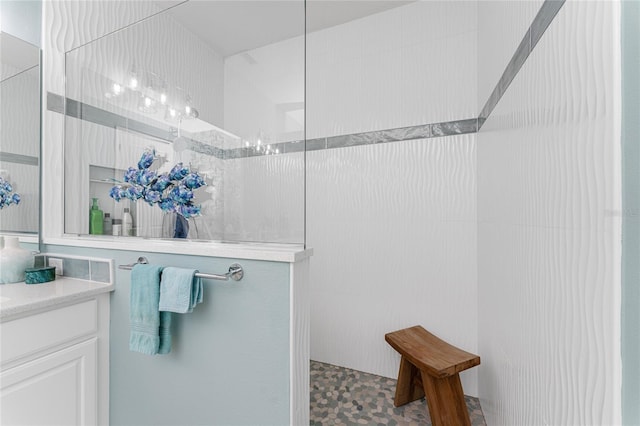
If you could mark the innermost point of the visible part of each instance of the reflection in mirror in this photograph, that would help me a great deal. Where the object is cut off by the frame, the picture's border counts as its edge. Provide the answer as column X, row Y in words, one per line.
column 19, row 135
column 186, row 85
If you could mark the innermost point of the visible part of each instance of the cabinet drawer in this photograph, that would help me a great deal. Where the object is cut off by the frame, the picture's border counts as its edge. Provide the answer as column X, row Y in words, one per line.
column 28, row 335
column 57, row 389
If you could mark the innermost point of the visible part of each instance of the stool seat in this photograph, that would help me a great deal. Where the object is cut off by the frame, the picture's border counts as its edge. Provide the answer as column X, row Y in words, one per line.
column 429, row 367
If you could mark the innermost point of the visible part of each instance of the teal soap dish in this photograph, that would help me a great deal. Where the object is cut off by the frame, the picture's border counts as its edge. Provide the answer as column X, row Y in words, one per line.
column 40, row 275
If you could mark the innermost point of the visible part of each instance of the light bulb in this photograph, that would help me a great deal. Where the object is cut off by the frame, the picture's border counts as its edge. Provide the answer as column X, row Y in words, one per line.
column 172, row 112
column 117, row 88
column 277, row 151
column 133, row 83
column 268, row 147
column 187, row 109
column 259, row 142
column 246, row 143
column 163, row 98
column 147, row 101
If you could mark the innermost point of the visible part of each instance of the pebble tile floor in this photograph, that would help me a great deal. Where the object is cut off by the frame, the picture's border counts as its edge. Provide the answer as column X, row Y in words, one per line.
column 341, row 396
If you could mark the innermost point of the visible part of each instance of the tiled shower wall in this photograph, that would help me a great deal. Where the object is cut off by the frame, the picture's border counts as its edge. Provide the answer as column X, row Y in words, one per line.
column 392, row 225
column 549, row 221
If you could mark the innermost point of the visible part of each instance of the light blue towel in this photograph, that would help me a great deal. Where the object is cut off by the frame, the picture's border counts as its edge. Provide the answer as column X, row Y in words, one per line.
column 180, row 290
column 149, row 332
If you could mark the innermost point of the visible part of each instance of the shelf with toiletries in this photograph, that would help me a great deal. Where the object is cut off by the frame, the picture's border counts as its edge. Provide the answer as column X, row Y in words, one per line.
column 117, row 219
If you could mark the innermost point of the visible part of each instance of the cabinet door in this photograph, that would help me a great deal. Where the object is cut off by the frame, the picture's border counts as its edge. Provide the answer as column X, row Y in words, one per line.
column 57, row 389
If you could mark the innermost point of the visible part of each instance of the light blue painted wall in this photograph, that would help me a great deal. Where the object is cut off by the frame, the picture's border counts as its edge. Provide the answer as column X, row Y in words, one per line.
column 230, row 359
column 30, row 246
column 22, row 19
column 631, row 212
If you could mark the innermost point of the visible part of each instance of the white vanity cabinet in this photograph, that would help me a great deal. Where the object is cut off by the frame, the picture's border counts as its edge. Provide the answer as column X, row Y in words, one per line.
column 55, row 365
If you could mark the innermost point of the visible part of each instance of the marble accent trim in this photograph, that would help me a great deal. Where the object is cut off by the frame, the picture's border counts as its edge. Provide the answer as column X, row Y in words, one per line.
column 541, row 22
column 543, row 19
column 423, row 131
column 8, row 157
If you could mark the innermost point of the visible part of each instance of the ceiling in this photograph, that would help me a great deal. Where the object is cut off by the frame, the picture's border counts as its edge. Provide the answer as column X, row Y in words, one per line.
column 233, row 26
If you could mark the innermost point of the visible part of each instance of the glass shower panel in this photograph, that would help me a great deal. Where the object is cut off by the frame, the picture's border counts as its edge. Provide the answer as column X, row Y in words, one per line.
column 215, row 86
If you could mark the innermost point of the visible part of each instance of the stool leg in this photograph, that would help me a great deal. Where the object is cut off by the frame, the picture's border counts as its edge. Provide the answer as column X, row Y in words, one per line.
column 445, row 400
column 409, row 384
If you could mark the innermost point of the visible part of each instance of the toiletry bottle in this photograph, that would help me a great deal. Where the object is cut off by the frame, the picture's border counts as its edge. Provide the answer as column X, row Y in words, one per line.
column 116, row 227
column 106, row 224
column 127, row 223
column 95, row 218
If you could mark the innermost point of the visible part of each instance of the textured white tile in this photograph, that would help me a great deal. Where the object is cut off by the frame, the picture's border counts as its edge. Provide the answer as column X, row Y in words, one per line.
column 299, row 342
column 426, row 21
column 394, row 237
column 264, row 199
column 501, row 27
column 387, row 70
column 438, row 80
column 20, row 114
column 69, row 24
column 52, row 174
column 548, row 235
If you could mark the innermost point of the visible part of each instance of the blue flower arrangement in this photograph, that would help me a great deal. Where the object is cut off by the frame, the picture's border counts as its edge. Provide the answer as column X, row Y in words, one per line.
column 172, row 191
column 7, row 196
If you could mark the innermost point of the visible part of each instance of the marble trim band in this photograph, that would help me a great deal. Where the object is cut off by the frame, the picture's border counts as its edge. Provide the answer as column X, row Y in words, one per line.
column 423, row 131
column 541, row 22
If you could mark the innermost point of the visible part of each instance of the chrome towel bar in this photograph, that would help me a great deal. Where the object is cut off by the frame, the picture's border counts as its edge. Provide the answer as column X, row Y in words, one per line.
column 235, row 271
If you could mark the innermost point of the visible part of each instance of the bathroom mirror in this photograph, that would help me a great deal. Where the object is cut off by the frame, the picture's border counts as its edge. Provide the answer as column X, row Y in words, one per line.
column 19, row 133
column 217, row 86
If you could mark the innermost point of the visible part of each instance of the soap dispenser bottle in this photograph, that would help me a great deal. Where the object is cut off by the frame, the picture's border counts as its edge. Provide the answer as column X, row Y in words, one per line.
column 95, row 218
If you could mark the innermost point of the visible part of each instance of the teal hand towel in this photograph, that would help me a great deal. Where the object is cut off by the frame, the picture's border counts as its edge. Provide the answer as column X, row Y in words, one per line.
column 149, row 333
column 180, row 290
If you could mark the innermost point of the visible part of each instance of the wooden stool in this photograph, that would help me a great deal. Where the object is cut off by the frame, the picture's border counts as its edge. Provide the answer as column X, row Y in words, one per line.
column 430, row 366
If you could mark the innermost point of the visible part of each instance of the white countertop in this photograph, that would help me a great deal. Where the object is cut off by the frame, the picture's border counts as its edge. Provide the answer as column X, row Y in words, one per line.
column 19, row 299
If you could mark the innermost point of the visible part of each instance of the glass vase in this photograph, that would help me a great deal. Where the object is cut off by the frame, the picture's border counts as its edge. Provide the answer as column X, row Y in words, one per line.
column 13, row 261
